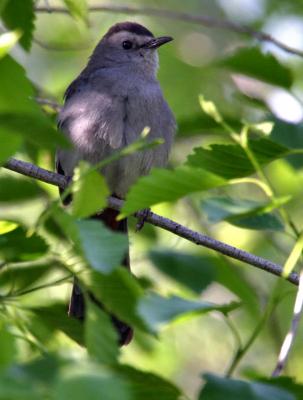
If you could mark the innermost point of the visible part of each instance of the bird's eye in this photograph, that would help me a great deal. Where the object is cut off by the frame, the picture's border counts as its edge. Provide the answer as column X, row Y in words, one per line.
column 127, row 44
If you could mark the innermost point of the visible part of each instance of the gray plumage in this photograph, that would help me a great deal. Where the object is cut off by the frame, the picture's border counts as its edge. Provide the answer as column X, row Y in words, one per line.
column 110, row 103
column 106, row 108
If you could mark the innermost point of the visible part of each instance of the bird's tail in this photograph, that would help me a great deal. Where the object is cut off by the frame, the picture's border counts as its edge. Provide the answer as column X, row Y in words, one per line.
column 77, row 303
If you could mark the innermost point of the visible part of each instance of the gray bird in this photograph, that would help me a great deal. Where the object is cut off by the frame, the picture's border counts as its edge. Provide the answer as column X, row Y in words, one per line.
column 106, row 108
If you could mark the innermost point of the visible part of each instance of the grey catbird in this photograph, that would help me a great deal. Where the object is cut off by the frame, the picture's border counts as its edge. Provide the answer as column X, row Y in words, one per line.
column 106, row 108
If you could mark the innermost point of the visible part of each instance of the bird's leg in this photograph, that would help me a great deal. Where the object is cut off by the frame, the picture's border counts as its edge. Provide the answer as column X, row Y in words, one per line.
column 142, row 217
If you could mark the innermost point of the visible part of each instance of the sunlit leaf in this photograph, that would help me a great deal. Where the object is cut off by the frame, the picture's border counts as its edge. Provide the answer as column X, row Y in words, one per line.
column 264, row 66
column 20, row 15
column 167, row 185
column 230, row 160
column 194, row 272
column 77, row 8
column 157, row 310
column 8, row 41
column 294, row 256
column 210, row 109
column 100, row 336
column 89, row 191
column 103, row 248
column 7, row 226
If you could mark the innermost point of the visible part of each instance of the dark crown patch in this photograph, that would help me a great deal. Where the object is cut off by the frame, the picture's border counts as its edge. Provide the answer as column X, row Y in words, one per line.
column 132, row 27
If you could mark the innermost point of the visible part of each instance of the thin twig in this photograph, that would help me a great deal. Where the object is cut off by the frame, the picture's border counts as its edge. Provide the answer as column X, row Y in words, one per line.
column 205, row 20
column 61, row 181
column 290, row 337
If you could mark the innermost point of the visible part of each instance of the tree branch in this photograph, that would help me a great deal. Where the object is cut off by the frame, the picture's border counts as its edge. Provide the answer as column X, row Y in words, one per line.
column 61, row 181
column 291, row 334
column 204, row 20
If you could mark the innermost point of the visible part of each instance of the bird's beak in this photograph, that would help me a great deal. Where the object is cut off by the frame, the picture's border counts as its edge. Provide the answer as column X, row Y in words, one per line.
column 157, row 42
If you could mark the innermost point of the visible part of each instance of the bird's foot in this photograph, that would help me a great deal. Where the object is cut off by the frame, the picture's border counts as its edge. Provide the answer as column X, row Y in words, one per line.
column 143, row 214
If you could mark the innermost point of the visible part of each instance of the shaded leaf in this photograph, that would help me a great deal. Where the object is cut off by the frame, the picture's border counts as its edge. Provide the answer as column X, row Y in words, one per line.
column 286, row 383
column 157, row 310
column 265, row 67
column 90, row 382
column 100, row 336
column 194, row 272
column 89, row 191
column 148, row 386
column 22, row 276
column 20, row 15
column 217, row 388
column 15, row 188
column 16, row 246
column 8, row 348
column 119, row 292
column 103, row 248
column 244, row 213
column 167, row 185
column 9, row 145
column 55, row 317
column 230, row 160
column 36, row 127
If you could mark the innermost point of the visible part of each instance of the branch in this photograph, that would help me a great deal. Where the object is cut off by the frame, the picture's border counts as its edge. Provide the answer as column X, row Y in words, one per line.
column 203, row 20
column 61, row 181
column 291, row 334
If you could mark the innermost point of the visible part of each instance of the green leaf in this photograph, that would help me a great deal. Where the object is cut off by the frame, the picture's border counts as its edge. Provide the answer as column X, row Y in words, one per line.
column 243, row 213
column 286, row 383
column 293, row 257
column 15, row 188
column 103, row 248
column 119, row 292
column 217, row 388
column 210, row 109
column 157, row 310
column 24, row 275
column 230, row 160
column 20, row 15
column 54, row 317
column 100, row 336
column 194, row 272
column 167, row 185
column 77, row 8
column 35, row 127
column 8, row 41
column 16, row 387
column 148, row 386
column 7, row 226
column 9, row 145
column 8, row 347
column 91, row 382
column 16, row 246
column 233, row 278
column 89, row 191
column 254, row 63
column 20, row 117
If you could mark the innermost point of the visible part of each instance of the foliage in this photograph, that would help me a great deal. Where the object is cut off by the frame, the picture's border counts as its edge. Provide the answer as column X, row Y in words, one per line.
column 236, row 172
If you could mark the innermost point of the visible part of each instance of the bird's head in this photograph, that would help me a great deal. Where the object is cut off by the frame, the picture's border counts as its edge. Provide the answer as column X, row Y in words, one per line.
column 129, row 44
